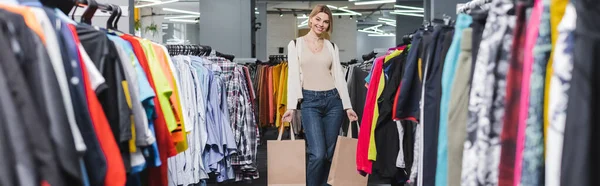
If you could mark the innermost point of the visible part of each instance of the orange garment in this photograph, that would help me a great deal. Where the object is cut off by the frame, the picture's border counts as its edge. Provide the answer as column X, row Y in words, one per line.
column 270, row 93
column 115, row 169
column 30, row 19
column 179, row 136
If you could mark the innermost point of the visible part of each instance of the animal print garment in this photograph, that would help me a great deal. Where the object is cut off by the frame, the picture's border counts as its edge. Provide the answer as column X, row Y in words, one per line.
column 486, row 105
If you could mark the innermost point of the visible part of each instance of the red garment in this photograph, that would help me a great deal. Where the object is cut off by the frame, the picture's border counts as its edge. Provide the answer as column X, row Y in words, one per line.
column 363, row 164
column 166, row 148
column 506, row 173
column 115, row 169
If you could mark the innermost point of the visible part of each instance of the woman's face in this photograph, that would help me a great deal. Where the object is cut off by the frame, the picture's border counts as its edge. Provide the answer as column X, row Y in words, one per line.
column 320, row 23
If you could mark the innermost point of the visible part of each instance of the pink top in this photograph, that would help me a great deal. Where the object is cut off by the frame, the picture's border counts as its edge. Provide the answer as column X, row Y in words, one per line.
column 363, row 164
column 530, row 41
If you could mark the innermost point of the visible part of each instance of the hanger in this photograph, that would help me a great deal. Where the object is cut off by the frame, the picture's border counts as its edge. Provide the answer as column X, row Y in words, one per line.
column 119, row 13
column 89, row 12
column 113, row 14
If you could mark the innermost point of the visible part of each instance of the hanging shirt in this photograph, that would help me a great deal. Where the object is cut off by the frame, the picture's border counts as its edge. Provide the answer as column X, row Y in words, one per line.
column 178, row 134
column 115, row 174
column 163, row 136
column 363, row 163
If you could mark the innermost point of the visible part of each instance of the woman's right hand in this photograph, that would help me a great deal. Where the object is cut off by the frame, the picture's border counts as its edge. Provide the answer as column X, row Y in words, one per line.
column 287, row 116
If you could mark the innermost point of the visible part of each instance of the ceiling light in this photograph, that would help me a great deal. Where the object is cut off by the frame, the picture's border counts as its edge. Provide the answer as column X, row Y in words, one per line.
column 374, row 2
column 182, row 17
column 407, row 14
column 343, row 14
column 409, row 7
column 387, row 20
column 369, row 32
column 304, row 23
column 180, row 11
column 349, row 11
column 280, row 14
column 373, row 27
column 183, row 20
column 302, row 17
column 256, row 12
column 333, row 7
column 350, row 17
column 255, row 8
column 156, row 3
column 345, row 9
column 408, row 11
column 382, row 35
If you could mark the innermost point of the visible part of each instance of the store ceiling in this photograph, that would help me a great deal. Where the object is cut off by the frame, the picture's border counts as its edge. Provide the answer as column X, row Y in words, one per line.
column 370, row 13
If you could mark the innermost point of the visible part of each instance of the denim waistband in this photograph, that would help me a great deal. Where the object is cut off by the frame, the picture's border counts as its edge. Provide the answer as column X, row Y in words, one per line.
column 325, row 93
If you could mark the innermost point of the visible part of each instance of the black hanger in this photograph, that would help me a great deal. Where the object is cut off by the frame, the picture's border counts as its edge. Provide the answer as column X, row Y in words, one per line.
column 113, row 14
column 119, row 13
column 89, row 12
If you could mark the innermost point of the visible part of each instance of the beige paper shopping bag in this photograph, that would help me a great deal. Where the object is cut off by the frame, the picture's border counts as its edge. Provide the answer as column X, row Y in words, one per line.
column 343, row 166
column 286, row 161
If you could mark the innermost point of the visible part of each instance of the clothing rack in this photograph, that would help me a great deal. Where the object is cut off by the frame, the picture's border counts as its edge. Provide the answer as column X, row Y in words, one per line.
column 198, row 50
column 473, row 4
column 277, row 58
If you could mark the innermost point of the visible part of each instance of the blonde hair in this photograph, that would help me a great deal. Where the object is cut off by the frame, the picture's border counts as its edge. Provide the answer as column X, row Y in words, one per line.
column 318, row 9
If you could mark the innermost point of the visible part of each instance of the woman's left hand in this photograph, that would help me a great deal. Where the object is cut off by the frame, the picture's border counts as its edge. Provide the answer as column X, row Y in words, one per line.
column 352, row 115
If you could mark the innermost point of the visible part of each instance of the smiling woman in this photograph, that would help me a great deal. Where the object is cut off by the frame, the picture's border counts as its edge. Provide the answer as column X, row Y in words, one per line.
column 315, row 77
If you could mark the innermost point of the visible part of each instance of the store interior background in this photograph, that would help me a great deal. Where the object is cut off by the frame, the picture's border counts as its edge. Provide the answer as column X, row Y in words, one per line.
column 260, row 28
column 257, row 29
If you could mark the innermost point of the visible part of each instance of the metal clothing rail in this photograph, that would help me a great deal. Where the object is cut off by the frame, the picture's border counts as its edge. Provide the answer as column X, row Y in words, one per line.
column 473, row 4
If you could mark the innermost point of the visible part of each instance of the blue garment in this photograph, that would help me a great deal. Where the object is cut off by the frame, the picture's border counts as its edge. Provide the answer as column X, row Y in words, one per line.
column 84, row 175
column 450, row 64
column 220, row 144
column 322, row 114
column 407, row 103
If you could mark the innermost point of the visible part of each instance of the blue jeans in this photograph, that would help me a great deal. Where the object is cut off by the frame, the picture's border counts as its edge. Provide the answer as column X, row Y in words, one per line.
column 322, row 114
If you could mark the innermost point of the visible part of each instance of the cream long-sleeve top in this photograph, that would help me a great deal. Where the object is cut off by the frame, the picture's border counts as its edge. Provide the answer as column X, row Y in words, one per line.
column 295, row 75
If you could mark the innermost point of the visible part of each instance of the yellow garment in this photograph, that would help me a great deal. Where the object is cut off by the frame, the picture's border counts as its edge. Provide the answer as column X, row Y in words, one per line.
column 557, row 11
column 392, row 55
column 420, row 69
column 275, row 79
column 372, row 147
column 179, row 135
column 282, row 96
column 162, row 87
column 132, row 146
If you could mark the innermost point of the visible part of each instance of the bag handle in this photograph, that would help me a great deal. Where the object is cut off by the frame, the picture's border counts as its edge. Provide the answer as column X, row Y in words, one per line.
column 349, row 134
column 281, row 127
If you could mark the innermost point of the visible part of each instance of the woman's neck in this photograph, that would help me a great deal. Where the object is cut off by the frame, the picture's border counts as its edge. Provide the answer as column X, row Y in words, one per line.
column 312, row 36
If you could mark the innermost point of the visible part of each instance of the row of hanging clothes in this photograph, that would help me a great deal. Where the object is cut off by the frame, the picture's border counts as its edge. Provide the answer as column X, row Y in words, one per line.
column 220, row 97
column 271, row 81
column 84, row 105
column 496, row 98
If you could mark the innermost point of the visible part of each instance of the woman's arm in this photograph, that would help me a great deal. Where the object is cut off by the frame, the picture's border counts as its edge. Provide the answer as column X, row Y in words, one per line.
column 340, row 81
column 293, row 87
